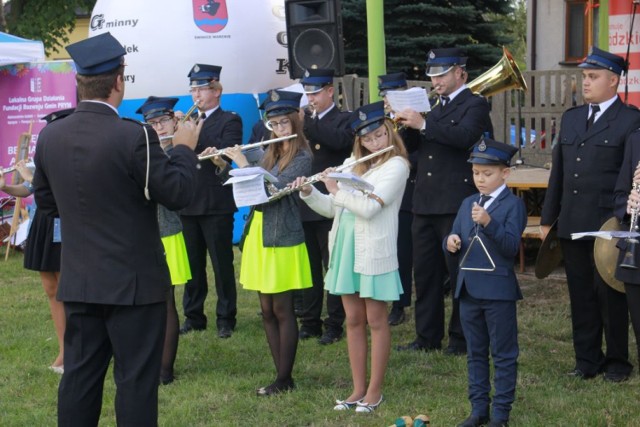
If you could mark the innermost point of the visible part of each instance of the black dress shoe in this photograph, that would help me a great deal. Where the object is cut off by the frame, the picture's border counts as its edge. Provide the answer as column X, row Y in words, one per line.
column 616, row 377
column 225, row 332
column 276, row 388
column 329, row 337
column 577, row 373
column 305, row 334
column 188, row 327
column 474, row 421
column 396, row 316
column 496, row 423
column 166, row 380
column 415, row 346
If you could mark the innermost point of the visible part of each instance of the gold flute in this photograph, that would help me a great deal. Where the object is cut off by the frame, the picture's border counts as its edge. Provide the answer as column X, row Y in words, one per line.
column 247, row 146
column 315, row 178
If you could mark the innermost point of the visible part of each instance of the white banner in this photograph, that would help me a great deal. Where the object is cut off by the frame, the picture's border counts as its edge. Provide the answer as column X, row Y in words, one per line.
column 165, row 38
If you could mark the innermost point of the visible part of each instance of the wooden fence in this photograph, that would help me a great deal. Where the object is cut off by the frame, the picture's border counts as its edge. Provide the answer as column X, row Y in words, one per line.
column 537, row 112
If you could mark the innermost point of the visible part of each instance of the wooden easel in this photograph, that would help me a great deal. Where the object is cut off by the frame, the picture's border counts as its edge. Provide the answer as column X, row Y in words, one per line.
column 19, row 214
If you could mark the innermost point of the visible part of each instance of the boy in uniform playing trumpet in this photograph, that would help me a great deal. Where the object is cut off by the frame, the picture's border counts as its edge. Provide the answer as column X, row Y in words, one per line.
column 487, row 286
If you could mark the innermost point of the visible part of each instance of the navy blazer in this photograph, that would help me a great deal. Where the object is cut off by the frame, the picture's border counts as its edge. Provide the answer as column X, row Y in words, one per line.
column 585, row 168
column 90, row 167
column 501, row 237
column 331, row 141
column 221, row 129
column 444, row 177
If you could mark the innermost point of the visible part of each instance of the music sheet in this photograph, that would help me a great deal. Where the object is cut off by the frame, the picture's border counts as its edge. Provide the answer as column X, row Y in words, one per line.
column 414, row 98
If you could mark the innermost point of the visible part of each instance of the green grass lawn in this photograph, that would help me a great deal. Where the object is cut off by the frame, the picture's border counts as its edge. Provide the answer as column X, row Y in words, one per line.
column 216, row 379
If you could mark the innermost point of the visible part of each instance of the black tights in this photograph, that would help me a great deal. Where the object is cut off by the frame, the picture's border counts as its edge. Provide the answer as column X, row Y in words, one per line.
column 170, row 338
column 280, row 325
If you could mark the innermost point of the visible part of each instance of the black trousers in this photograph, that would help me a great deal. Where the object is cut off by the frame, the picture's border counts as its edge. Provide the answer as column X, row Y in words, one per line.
column 430, row 268
column 633, row 301
column 405, row 258
column 595, row 308
column 316, row 234
column 133, row 336
column 213, row 233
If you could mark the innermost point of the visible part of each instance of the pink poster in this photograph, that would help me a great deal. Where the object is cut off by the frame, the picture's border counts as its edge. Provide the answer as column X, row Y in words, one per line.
column 28, row 92
column 620, row 34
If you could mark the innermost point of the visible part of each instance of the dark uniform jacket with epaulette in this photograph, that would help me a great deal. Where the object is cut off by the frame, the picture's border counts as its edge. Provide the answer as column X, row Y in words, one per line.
column 90, row 168
column 444, row 176
column 585, row 166
column 221, row 129
column 331, row 141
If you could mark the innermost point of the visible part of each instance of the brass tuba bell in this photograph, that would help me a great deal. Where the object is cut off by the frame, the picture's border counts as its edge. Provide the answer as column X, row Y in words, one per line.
column 502, row 76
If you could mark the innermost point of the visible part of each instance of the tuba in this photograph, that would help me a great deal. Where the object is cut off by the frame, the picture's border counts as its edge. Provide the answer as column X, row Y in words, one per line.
column 503, row 76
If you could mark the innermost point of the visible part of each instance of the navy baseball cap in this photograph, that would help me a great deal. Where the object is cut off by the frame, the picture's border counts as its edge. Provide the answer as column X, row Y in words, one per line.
column 156, row 107
column 601, row 59
column 490, row 152
column 440, row 61
column 314, row 80
column 281, row 102
column 368, row 118
column 393, row 81
column 203, row 74
column 97, row 55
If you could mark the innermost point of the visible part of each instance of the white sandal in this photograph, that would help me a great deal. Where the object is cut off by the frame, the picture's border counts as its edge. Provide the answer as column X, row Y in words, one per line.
column 367, row 408
column 343, row 405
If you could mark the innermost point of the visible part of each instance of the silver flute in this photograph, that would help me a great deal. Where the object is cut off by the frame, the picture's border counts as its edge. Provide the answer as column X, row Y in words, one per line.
column 247, row 146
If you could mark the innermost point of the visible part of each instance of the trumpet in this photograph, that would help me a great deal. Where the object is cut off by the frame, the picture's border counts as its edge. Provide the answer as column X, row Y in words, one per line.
column 629, row 259
column 311, row 109
column 315, row 178
column 189, row 112
column 248, row 146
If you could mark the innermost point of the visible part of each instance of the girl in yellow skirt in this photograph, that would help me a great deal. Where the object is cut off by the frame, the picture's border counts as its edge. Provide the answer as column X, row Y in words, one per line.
column 158, row 112
column 363, row 261
column 274, row 255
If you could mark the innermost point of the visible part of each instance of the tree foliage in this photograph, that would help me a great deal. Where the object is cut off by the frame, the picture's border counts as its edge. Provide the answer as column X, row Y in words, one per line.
column 46, row 20
column 413, row 27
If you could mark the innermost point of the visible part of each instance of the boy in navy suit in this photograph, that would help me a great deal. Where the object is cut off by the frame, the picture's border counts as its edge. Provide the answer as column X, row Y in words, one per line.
column 487, row 286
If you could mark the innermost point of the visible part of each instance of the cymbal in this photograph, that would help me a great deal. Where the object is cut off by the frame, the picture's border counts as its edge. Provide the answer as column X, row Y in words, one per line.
column 605, row 255
column 549, row 254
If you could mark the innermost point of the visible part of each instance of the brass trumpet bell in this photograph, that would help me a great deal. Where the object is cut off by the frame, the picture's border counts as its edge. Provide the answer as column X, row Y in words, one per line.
column 503, row 76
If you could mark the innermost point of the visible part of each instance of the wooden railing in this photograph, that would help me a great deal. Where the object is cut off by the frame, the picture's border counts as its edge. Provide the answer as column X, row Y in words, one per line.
column 537, row 113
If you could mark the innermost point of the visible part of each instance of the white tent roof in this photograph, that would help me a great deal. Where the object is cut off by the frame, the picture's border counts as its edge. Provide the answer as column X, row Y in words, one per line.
column 16, row 50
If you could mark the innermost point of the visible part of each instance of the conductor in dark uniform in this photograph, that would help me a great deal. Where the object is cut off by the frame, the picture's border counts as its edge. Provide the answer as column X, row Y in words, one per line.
column 104, row 176
column 208, row 221
column 331, row 139
column 386, row 83
column 443, row 180
column 586, row 162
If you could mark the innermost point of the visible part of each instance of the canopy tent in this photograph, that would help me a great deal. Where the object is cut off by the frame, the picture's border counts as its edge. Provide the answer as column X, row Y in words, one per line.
column 16, row 50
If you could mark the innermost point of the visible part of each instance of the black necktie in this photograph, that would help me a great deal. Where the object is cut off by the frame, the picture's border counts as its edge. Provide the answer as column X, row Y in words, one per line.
column 444, row 100
column 592, row 118
column 203, row 116
column 484, row 199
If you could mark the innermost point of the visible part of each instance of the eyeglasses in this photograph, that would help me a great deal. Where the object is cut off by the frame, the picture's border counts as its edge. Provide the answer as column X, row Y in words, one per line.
column 162, row 122
column 281, row 123
column 200, row 89
column 374, row 137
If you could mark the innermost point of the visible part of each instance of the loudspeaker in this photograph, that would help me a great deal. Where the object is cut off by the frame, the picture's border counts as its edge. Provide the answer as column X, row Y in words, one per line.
column 314, row 36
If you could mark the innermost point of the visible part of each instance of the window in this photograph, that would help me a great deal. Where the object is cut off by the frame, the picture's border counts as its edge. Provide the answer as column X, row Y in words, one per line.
column 579, row 34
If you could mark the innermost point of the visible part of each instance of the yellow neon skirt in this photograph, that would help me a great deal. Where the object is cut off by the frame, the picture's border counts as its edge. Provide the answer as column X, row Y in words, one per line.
column 272, row 270
column 177, row 259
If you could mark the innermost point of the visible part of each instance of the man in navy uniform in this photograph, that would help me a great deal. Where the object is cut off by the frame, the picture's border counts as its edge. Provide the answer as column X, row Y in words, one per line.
column 104, row 177
column 331, row 139
column 443, row 181
column 386, row 83
column 586, row 162
column 208, row 221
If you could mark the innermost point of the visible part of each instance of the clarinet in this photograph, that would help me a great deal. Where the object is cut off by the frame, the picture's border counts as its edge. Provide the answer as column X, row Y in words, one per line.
column 629, row 259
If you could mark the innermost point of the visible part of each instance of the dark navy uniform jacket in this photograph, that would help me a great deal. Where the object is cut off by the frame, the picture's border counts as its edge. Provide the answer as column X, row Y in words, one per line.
column 585, row 167
column 444, row 176
column 90, row 168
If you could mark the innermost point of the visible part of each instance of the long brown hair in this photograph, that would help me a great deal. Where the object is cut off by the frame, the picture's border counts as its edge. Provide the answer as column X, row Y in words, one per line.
column 276, row 154
column 359, row 150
